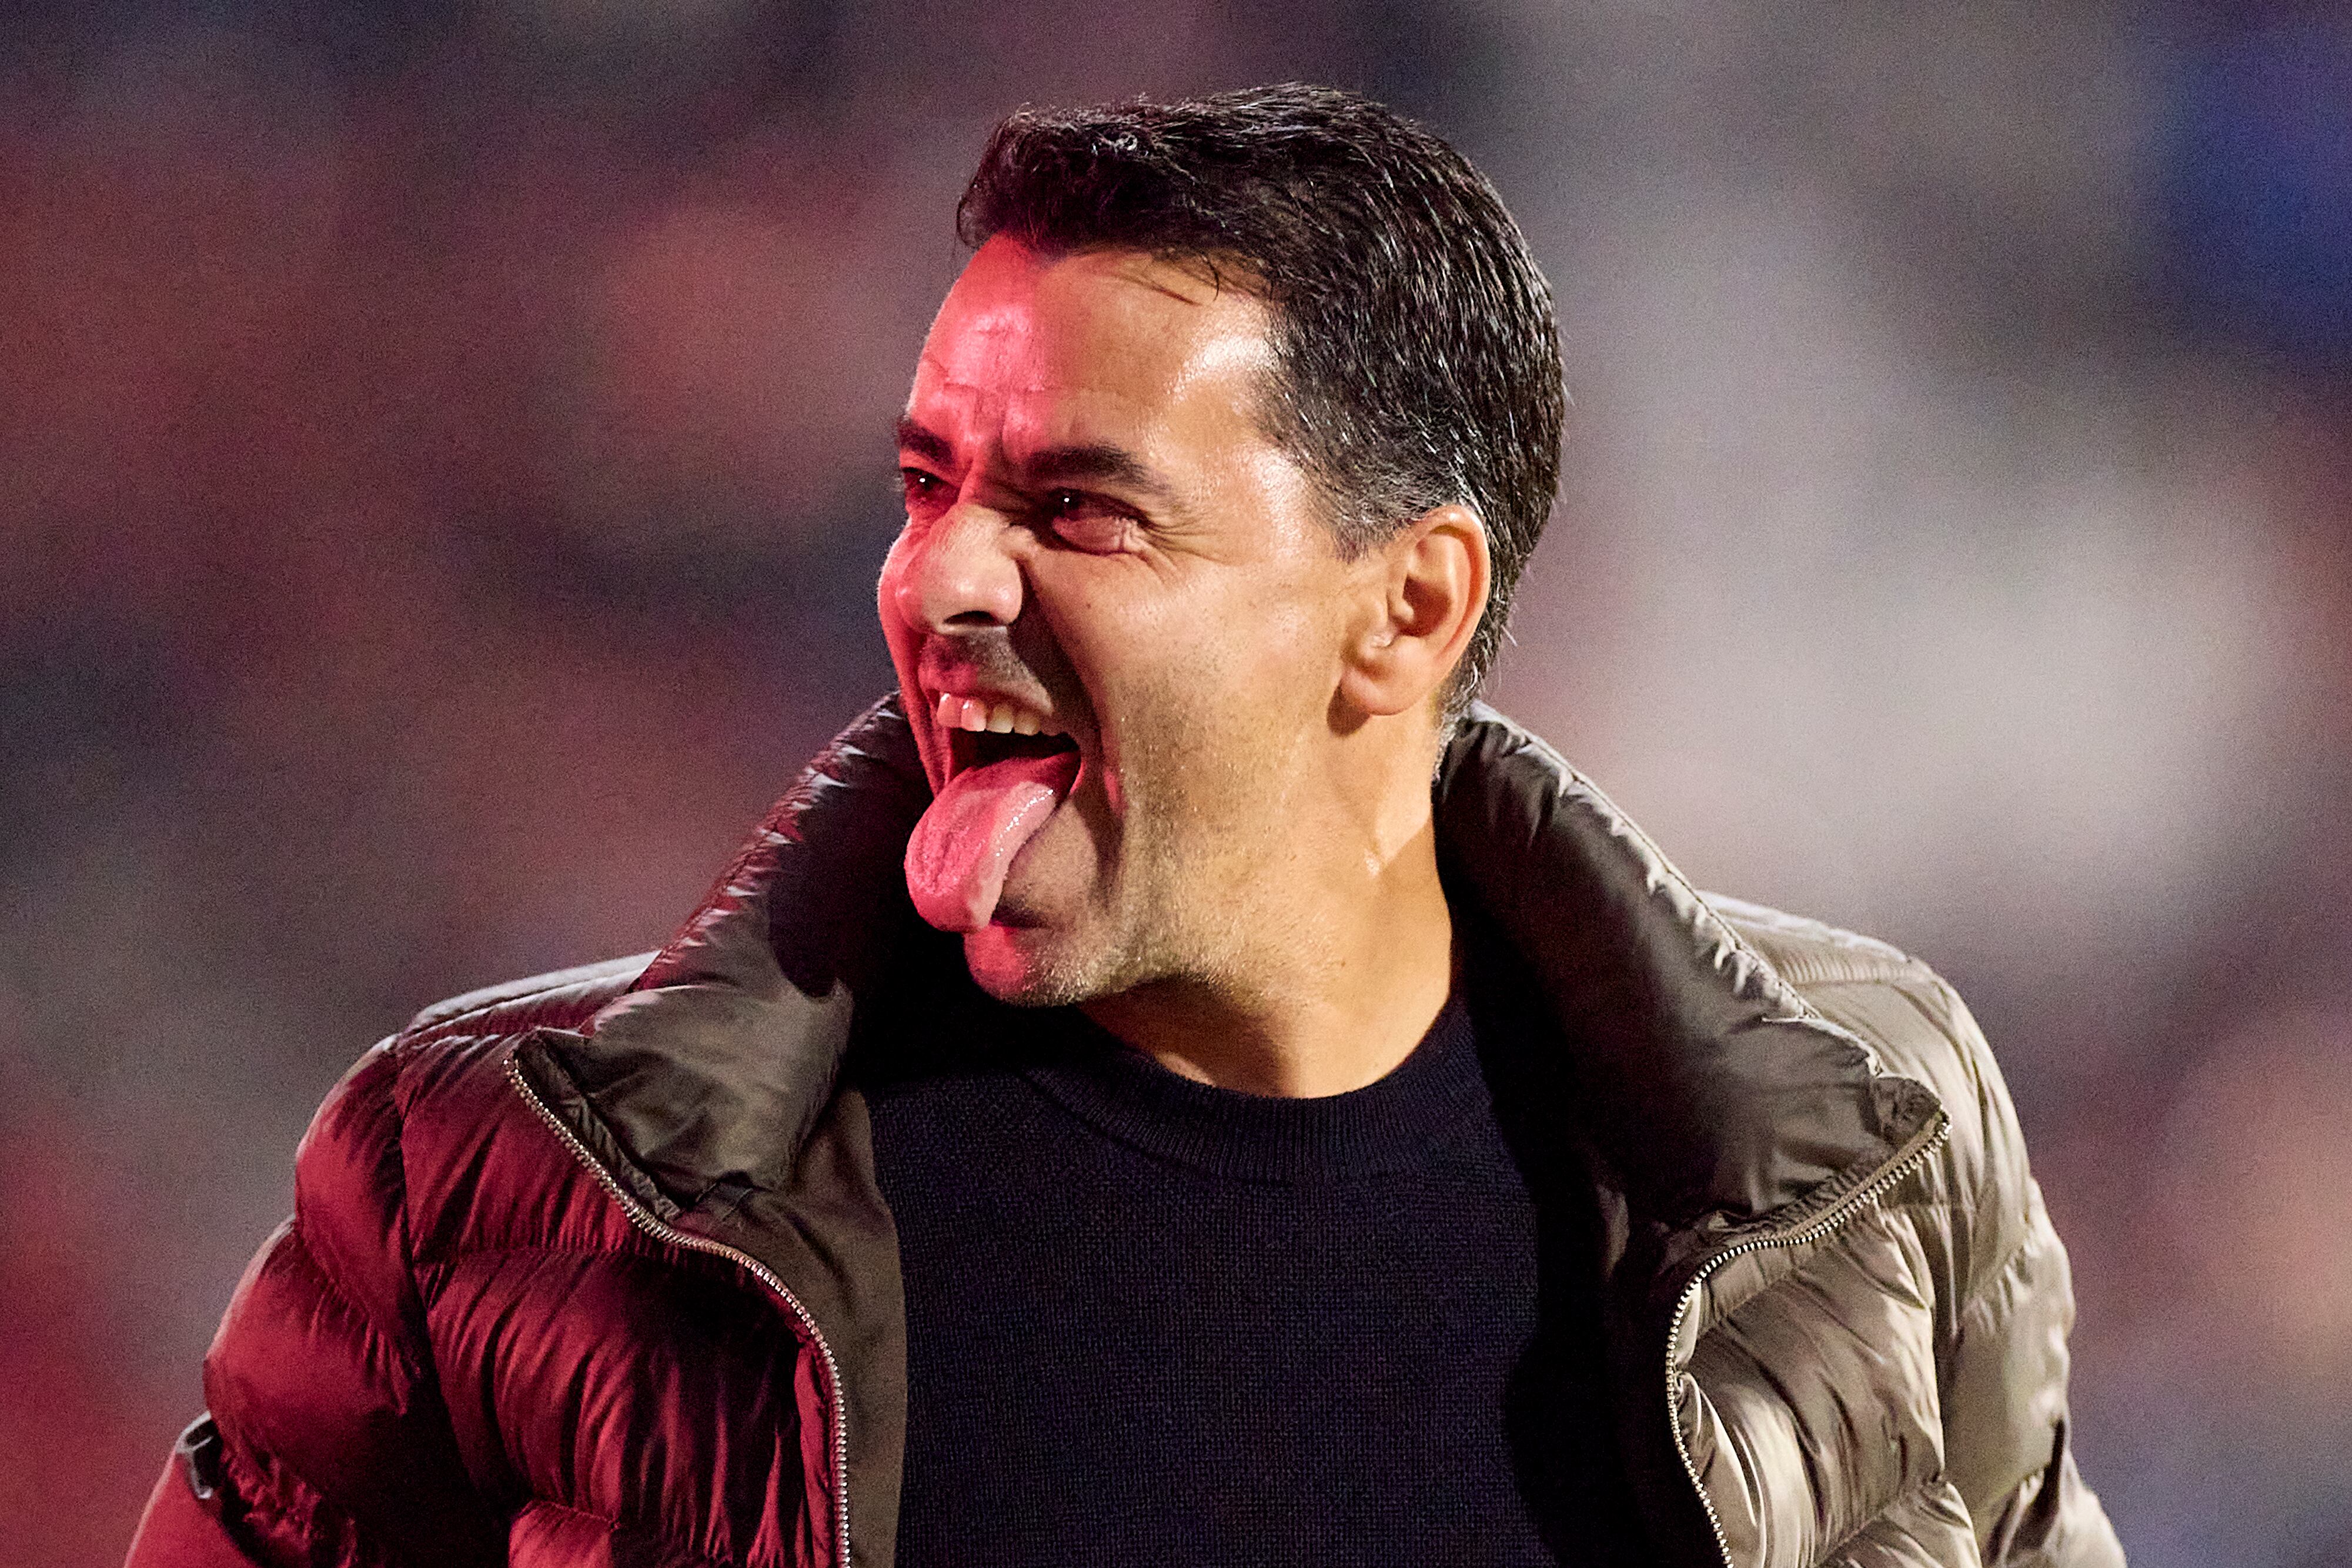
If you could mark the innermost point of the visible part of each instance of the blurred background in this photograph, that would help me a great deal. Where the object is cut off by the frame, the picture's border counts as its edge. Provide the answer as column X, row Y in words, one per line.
column 443, row 463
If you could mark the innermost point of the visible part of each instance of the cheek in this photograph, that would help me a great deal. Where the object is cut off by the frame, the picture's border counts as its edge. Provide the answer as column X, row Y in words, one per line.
column 1206, row 724
column 905, row 647
column 885, row 592
column 904, row 640
column 1267, row 678
column 1192, row 683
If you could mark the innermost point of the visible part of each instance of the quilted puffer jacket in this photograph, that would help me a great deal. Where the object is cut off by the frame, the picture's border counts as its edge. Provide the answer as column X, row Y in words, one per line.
column 593, row 1269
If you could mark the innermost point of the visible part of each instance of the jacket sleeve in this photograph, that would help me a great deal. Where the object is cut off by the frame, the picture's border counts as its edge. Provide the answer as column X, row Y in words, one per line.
column 327, row 1442
column 2006, row 1432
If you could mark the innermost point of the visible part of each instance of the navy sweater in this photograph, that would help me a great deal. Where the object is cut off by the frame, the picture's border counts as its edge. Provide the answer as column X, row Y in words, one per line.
column 1152, row 1321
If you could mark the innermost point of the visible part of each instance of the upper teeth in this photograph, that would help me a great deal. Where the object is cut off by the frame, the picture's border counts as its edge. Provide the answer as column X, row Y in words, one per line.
column 1003, row 718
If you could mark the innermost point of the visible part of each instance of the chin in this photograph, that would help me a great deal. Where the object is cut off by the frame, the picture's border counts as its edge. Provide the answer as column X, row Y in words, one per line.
column 1030, row 966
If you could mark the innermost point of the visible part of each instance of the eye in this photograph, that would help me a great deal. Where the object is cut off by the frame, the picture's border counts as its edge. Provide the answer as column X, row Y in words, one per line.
column 923, row 491
column 1090, row 522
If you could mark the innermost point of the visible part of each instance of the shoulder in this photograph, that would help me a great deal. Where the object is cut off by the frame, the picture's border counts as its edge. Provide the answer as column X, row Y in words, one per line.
column 436, row 1088
column 1974, row 1219
column 561, row 998
column 442, row 1055
column 327, row 1320
column 1903, row 1010
column 1809, row 953
column 1915, row 1024
column 446, row 1054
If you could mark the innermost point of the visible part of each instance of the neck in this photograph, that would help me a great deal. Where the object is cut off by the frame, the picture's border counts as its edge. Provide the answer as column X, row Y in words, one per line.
column 1346, row 978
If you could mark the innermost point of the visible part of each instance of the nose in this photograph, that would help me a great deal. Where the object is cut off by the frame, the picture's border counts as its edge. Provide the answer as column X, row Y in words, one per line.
column 956, row 572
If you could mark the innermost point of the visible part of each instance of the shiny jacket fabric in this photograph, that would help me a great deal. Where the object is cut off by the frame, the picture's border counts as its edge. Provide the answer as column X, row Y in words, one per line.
column 593, row 1269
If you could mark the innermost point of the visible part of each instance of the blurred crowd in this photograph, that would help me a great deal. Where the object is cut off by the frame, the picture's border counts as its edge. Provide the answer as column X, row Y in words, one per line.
column 445, row 459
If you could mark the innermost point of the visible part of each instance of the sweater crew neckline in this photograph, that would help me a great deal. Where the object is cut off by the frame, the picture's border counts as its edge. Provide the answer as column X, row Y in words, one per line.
column 1389, row 1126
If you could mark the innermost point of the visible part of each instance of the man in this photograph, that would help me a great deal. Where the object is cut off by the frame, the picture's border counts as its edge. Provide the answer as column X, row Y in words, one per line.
column 1115, row 1109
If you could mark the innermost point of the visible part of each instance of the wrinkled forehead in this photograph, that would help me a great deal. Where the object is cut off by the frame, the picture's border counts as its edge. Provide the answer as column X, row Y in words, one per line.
column 1027, row 343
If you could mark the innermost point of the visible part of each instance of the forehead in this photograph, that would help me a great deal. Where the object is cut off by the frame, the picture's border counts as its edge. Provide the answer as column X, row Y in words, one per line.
column 1028, row 343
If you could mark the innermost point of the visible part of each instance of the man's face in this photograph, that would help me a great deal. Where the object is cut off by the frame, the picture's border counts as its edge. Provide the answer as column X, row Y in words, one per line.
column 1101, row 541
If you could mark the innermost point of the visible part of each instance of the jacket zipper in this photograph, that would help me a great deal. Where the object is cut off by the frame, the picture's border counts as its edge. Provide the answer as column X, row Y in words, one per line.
column 1843, row 1210
column 653, row 1227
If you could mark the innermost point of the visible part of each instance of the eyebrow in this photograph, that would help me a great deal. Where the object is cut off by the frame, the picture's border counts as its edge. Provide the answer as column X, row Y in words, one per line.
column 1098, row 461
column 1105, row 464
column 922, row 441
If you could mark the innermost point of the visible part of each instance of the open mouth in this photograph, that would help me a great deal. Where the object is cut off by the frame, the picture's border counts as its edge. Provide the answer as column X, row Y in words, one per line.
column 977, row 748
column 1004, row 781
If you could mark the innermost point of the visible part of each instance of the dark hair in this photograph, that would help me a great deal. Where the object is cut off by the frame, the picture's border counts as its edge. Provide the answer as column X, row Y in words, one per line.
column 1416, row 359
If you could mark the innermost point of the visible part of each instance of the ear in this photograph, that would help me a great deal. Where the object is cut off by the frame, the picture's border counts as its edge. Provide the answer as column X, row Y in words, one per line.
column 1426, row 588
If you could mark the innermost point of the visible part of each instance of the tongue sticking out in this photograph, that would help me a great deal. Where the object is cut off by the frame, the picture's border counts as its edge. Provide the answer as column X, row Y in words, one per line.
column 965, row 843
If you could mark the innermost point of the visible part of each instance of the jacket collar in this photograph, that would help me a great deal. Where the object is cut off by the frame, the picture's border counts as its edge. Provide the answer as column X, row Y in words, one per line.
column 1707, row 1087
column 712, row 1070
